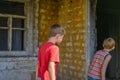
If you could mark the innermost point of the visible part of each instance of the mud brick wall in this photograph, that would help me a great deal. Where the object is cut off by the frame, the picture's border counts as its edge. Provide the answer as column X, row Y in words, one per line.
column 48, row 14
column 71, row 14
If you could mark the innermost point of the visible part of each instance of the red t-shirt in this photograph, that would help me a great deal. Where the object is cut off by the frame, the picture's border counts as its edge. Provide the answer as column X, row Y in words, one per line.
column 47, row 52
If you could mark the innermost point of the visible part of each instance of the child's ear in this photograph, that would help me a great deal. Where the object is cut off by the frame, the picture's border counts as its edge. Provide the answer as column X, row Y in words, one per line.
column 57, row 35
column 103, row 45
column 113, row 48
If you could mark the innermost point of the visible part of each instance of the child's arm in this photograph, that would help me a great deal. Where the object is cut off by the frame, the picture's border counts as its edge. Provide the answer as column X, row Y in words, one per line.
column 105, row 64
column 36, row 72
column 51, row 70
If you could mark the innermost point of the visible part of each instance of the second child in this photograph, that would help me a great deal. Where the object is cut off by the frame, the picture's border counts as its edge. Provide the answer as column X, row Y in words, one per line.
column 97, row 68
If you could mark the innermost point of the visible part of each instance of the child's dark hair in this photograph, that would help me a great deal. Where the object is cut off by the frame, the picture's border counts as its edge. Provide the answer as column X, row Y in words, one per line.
column 56, row 29
column 109, row 43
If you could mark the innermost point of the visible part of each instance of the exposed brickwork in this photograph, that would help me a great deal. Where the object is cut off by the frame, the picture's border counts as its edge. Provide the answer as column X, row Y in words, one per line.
column 72, row 15
column 48, row 14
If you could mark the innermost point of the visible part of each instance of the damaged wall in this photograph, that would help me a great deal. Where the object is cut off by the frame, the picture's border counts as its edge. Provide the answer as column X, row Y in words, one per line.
column 14, row 65
column 71, row 14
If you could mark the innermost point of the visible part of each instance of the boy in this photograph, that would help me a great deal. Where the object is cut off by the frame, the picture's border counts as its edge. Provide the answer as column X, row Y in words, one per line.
column 48, row 54
column 97, row 68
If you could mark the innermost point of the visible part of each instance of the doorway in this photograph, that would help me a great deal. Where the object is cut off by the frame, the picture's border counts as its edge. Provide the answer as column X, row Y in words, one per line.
column 108, row 25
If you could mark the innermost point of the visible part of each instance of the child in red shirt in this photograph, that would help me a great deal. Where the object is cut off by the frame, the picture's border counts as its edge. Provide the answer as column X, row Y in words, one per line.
column 48, row 54
column 97, row 68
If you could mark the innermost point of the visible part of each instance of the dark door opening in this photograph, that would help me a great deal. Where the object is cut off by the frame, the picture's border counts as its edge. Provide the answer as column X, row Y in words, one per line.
column 108, row 25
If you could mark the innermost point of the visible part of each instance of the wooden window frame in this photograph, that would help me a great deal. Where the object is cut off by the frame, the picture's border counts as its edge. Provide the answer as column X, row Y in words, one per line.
column 29, row 43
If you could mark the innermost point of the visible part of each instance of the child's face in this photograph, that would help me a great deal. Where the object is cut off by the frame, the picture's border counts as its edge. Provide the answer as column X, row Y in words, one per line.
column 59, row 39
